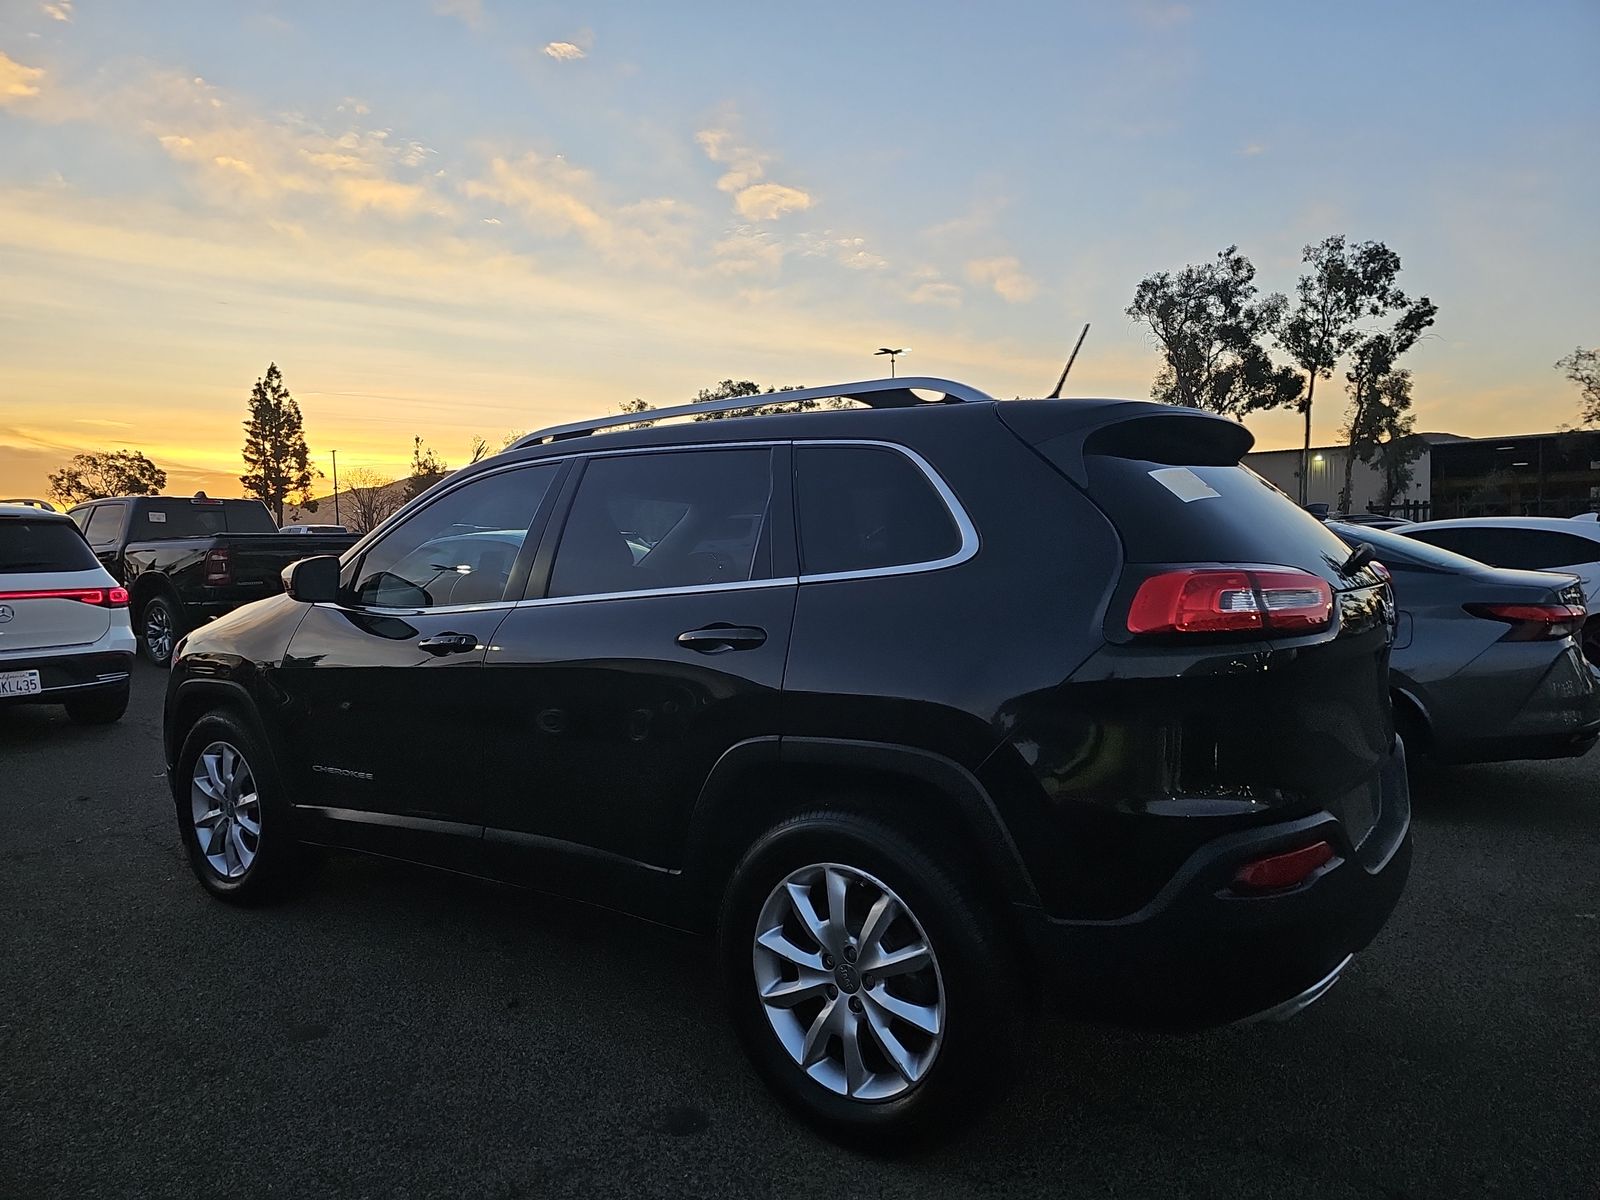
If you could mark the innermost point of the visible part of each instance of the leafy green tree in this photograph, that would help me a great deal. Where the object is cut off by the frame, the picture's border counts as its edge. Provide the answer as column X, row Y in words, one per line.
column 1583, row 368
column 1380, row 392
column 427, row 468
column 1346, row 285
column 1210, row 325
column 104, row 473
column 1398, row 449
column 277, row 462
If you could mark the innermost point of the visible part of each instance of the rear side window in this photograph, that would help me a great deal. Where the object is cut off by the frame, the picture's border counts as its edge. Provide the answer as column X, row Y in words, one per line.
column 105, row 524
column 41, row 546
column 1178, row 514
column 1521, row 549
column 868, row 508
column 667, row 520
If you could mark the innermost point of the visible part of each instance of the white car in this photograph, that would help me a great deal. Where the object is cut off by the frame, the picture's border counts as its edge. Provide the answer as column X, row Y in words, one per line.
column 1529, row 544
column 65, row 636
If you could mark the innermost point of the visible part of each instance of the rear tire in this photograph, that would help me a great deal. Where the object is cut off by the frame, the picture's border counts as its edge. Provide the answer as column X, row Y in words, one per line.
column 160, row 627
column 225, row 783
column 929, row 1043
column 99, row 710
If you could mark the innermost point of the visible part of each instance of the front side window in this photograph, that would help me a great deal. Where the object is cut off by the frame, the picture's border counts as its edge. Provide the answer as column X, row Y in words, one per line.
column 105, row 525
column 458, row 550
column 867, row 508
column 645, row 522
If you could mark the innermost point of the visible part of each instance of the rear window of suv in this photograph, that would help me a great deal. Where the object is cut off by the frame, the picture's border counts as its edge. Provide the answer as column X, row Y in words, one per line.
column 27, row 547
column 1179, row 514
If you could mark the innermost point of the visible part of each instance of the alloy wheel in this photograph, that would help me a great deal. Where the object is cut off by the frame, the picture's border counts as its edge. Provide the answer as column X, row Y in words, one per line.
column 158, row 631
column 849, row 982
column 226, row 808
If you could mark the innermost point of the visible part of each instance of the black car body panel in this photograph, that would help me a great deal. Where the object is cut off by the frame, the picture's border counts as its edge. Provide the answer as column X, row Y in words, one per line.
column 581, row 745
column 160, row 546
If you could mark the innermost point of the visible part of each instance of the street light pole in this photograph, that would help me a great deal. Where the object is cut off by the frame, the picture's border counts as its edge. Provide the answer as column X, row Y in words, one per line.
column 336, row 487
column 893, row 354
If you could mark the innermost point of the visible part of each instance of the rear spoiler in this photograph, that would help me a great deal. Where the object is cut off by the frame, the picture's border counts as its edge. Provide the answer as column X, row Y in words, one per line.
column 1067, row 432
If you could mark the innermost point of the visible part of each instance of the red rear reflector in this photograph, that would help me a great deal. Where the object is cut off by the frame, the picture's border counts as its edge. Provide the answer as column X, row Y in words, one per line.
column 101, row 597
column 1282, row 870
column 1231, row 600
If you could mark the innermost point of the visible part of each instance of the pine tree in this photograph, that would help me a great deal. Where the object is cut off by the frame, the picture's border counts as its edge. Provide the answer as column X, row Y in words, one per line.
column 277, row 462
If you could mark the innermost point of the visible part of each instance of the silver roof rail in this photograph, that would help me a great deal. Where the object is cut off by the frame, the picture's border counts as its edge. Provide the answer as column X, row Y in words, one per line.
column 874, row 393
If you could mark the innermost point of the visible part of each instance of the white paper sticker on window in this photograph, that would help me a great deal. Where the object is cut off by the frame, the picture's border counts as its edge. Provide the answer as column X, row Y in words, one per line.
column 158, row 518
column 1184, row 484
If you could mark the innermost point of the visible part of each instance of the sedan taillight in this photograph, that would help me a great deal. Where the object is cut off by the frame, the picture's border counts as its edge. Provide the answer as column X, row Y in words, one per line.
column 1534, row 622
column 1231, row 600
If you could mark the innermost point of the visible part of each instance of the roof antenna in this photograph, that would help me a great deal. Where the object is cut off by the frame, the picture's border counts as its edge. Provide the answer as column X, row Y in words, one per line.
column 1060, row 383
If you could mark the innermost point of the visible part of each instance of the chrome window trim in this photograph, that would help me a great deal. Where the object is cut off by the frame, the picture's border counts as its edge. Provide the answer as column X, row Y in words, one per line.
column 965, row 552
column 968, row 549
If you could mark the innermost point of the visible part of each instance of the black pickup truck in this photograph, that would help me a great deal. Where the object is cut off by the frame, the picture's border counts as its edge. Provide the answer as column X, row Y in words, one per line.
column 187, row 560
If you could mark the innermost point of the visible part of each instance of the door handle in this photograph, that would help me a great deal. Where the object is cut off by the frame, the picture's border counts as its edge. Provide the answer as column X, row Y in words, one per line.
column 449, row 643
column 715, row 639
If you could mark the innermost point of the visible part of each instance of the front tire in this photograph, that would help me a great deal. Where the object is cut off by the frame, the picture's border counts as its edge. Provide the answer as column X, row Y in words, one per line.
column 102, row 709
column 873, row 993
column 160, row 628
column 232, row 814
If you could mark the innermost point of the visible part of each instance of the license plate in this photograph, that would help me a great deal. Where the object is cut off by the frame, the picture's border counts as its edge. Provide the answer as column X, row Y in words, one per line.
column 19, row 683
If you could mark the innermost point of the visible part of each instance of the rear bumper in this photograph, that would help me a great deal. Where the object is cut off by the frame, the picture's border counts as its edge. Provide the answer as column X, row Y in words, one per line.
column 68, row 676
column 1476, row 716
column 1202, row 954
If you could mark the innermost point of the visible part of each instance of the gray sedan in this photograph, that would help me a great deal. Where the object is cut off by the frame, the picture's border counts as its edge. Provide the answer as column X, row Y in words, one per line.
column 1486, row 665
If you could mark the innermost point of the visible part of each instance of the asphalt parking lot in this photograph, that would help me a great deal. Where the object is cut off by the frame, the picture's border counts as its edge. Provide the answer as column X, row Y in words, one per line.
column 395, row 1033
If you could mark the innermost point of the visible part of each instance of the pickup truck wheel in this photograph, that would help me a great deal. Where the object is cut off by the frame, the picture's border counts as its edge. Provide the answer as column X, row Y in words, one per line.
column 160, row 627
column 872, row 991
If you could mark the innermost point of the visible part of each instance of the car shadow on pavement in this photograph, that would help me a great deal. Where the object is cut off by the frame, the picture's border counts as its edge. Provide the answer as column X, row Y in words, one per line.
column 1562, row 794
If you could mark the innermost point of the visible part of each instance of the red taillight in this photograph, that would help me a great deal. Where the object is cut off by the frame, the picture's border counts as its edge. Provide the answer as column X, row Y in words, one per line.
column 1282, row 870
column 101, row 597
column 1534, row 622
column 1231, row 600
column 219, row 567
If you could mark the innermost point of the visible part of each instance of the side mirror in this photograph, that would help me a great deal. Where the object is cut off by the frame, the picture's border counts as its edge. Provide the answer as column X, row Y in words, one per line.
column 313, row 580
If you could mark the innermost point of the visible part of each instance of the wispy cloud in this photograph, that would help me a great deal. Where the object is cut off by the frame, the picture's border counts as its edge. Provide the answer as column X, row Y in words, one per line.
column 746, row 168
column 1005, row 276
column 58, row 10
column 1252, row 149
column 17, row 82
column 564, row 51
column 556, row 198
column 468, row 12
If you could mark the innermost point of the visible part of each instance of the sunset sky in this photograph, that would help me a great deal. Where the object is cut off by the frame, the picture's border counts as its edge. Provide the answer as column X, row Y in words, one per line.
column 464, row 217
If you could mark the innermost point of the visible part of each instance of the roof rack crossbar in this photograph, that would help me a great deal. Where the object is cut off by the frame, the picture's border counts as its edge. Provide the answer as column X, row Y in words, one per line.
column 874, row 393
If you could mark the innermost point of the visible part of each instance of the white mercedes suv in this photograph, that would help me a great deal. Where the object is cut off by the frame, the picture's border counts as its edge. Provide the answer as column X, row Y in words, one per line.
column 65, row 636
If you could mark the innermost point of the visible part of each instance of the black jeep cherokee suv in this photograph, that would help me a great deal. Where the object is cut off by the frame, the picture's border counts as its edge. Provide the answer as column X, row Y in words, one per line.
column 924, row 707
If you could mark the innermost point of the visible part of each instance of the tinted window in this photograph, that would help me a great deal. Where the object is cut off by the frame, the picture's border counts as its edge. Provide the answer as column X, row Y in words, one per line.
column 1393, row 549
column 1523, row 549
column 105, row 525
column 177, row 518
column 865, row 508
column 1174, row 514
column 666, row 520
column 29, row 546
column 458, row 550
